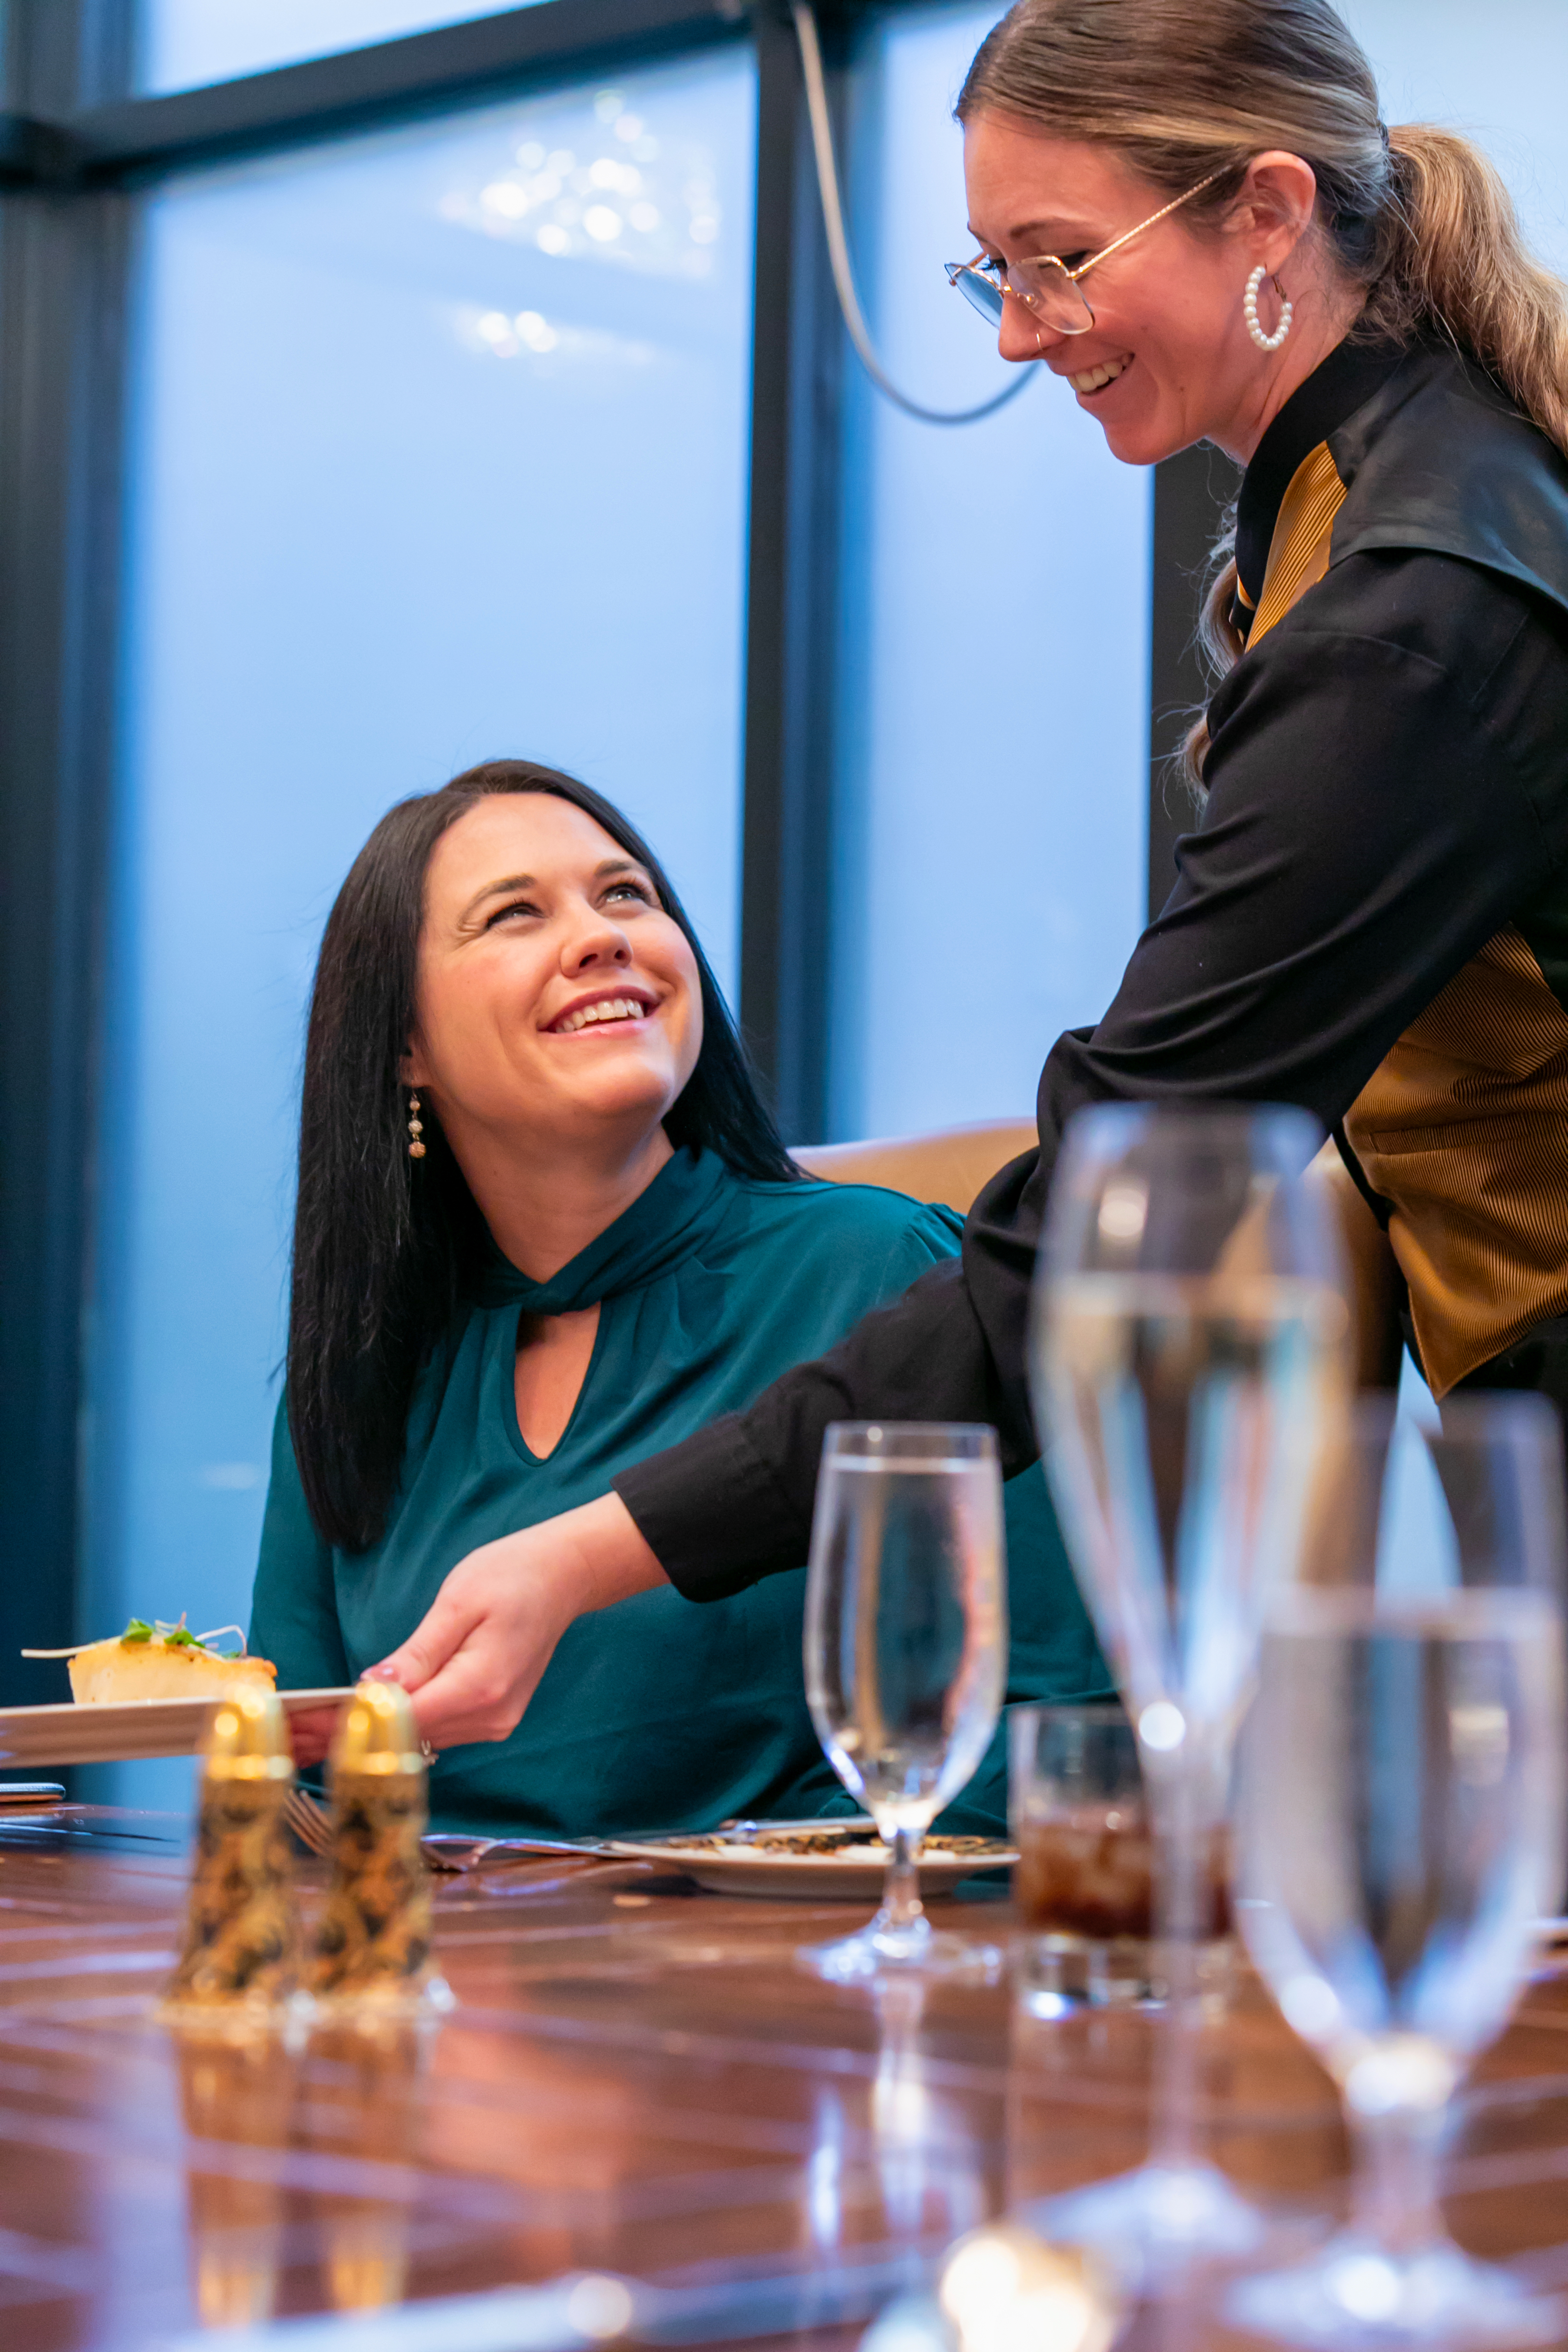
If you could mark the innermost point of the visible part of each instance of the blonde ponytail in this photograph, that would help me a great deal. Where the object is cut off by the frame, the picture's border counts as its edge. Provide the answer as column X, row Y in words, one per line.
column 1415, row 216
column 1460, row 263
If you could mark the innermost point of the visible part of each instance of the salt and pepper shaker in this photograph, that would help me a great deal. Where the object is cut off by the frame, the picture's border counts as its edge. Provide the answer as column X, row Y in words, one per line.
column 371, row 1954
column 240, row 1962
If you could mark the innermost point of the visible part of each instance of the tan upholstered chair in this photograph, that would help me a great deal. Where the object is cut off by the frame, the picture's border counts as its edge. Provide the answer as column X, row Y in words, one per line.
column 952, row 1166
column 949, row 1167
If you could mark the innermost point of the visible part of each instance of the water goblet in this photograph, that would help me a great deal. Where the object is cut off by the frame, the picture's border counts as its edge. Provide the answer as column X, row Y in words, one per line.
column 906, row 1647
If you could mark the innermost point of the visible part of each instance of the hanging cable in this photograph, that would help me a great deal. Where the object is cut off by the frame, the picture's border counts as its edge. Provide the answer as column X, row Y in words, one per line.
column 838, row 247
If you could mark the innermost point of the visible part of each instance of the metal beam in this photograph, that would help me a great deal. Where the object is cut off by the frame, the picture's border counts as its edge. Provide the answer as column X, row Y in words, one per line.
column 321, row 98
column 64, row 55
column 35, row 154
column 62, row 274
column 791, row 610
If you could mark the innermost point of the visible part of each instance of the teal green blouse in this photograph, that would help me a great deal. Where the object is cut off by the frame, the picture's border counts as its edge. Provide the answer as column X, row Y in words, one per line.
column 656, row 1714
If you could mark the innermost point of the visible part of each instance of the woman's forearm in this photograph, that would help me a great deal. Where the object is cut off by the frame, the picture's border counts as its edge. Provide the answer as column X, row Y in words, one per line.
column 733, row 1503
column 603, row 1555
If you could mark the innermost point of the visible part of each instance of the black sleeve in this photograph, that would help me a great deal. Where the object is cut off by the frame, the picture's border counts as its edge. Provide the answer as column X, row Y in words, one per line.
column 1387, row 787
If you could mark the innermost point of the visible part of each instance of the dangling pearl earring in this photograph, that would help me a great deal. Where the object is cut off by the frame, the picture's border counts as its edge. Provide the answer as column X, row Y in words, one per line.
column 416, row 1129
column 1249, row 311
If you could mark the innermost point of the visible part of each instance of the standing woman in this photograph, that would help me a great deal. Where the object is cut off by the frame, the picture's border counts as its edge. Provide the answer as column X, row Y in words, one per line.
column 1192, row 211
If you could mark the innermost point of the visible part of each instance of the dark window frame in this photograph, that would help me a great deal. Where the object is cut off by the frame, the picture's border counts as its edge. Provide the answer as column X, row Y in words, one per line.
column 75, row 147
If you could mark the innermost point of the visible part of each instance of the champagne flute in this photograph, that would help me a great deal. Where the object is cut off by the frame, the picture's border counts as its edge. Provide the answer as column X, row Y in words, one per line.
column 906, row 1647
column 1401, row 1823
column 1189, row 1345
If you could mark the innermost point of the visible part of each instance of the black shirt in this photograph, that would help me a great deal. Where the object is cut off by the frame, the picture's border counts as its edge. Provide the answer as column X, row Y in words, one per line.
column 1387, row 788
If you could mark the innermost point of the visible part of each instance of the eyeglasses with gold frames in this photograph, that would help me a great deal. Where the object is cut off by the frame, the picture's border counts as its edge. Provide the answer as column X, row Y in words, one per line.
column 1046, row 288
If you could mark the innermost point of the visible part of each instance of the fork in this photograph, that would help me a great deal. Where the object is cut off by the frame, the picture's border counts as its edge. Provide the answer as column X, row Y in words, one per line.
column 312, row 1825
column 310, row 1822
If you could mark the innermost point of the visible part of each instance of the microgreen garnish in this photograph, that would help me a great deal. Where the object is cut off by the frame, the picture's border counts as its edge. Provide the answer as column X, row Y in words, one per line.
column 171, row 1637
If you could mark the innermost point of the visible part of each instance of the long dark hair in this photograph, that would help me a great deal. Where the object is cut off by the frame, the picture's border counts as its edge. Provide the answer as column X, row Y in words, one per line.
column 385, row 1246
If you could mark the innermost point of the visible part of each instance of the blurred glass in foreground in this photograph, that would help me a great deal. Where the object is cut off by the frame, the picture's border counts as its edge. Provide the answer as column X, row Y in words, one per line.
column 1403, row 1832
column 1189, row 1359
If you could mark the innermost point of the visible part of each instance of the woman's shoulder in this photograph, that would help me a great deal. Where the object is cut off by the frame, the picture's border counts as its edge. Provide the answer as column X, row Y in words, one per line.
column 816, row 1217
column 1442, row 460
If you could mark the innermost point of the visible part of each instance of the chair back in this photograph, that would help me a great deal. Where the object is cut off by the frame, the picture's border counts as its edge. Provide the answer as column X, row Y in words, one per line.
column 951, row 1167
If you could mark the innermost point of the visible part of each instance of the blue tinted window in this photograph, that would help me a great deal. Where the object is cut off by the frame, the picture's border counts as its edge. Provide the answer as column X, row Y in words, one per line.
column 182, row 43
column 994, row 714
column 438, row 453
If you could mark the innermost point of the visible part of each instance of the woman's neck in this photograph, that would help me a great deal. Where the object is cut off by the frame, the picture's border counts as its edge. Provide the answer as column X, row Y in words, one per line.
column 543, row 1207
column 1325, row 316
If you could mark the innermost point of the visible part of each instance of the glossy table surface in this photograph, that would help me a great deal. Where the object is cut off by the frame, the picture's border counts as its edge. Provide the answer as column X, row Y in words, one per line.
column 640, row 2082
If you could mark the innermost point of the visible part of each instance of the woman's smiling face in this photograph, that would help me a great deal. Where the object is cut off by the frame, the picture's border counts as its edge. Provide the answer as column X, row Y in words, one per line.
column 1168, row 359
column 556, row 999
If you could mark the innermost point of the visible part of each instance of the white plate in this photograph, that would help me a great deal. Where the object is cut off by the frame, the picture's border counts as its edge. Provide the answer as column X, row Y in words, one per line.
column 125, row 1733
column 742, row 1866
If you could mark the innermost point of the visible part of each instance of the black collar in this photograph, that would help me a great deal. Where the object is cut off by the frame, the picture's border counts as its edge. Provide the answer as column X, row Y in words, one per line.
column 1336, row 388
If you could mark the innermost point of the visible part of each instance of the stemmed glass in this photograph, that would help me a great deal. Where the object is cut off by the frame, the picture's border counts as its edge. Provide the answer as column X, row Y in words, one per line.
column 906, row 1648
column 1402, row 1822
column 1189, row 1346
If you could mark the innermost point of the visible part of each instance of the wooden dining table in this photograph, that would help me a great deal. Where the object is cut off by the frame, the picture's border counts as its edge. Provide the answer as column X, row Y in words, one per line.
column 642, row 2122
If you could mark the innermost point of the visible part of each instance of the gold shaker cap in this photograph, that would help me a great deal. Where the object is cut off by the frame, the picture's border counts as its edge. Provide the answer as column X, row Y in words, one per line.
column 377, row 1732
column 247, row 1738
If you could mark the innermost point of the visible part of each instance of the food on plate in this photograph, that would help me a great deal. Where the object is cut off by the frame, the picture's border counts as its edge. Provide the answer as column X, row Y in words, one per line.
column 854, row 1839
column 159, row 1661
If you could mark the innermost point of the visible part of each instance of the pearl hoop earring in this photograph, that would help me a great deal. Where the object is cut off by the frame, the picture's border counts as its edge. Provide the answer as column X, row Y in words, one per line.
column 1249, row 311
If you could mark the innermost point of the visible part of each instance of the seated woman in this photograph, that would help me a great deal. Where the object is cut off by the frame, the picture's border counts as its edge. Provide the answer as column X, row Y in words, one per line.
column 545, row 1227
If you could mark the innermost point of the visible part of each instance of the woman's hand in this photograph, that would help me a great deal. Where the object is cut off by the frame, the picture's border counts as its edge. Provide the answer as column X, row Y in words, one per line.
column 476, row 1659
column 310, row 1733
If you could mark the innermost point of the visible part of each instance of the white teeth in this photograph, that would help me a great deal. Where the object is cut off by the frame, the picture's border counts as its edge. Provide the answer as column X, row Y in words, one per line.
column 610, row 1008
column 1092, row 378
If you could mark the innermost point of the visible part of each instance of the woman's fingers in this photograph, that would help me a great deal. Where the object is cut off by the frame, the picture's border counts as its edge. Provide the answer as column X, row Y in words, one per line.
column 310, row 1733
column 478, row 1694
column 482, row 1688
column 445, row 1624
column 507, row 1613
column 475, row 1660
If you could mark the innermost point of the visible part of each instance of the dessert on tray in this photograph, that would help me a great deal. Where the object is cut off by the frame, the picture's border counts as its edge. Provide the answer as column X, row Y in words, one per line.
column 159, row 1661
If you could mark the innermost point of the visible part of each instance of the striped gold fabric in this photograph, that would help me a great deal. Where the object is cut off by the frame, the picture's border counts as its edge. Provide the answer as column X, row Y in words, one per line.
column 1464, row 1128
column 1303, row 532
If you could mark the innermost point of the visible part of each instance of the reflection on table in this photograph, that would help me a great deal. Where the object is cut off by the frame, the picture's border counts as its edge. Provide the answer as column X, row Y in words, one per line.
column 640, row 2085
